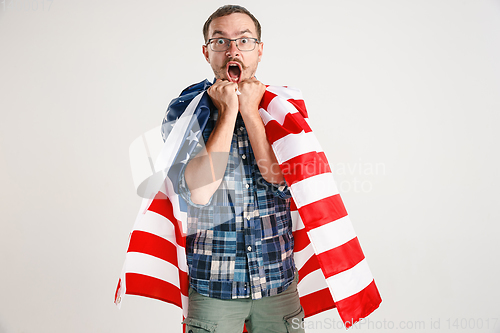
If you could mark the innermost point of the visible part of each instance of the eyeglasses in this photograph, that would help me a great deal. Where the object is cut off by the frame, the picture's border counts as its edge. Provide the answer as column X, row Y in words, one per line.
column 223, row 44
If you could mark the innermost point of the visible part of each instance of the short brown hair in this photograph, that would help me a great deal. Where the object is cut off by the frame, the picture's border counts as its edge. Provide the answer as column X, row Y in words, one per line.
column 227, row 10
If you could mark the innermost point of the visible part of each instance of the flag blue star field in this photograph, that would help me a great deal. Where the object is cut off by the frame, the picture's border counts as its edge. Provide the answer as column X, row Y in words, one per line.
column 191, row 137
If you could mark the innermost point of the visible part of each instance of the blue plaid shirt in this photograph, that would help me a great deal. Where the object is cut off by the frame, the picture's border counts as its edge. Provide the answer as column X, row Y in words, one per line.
column 239, row 244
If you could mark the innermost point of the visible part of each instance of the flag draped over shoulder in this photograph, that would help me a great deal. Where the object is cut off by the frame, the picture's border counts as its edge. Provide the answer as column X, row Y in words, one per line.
column 332, row 268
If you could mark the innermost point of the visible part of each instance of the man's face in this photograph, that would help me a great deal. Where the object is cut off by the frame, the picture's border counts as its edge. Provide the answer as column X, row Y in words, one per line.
column 233, row 65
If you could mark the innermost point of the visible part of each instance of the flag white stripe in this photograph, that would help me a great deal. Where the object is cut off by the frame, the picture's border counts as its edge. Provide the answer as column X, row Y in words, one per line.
column 350, row 282
column 145, row 264
column 181, row 258
column 294, row 145
column 311, row 283
column 279, row 107
column 285, row 92
column 174, row 199
column 314, row 189
column 139, row 161
column 266, row 117
column 302, row 256
column 144, row 205
column 184, row 300
column 331, row 235
column 297, row 222
column 158, row 225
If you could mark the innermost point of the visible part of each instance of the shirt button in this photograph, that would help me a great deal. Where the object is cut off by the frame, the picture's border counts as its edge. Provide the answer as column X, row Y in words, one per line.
column 241, row 128
column 243, row 156
column 247, row 186
column 248, row 217
column 249, row 248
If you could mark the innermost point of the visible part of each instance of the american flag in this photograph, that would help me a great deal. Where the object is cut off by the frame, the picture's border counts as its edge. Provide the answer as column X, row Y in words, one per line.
column 333, row 271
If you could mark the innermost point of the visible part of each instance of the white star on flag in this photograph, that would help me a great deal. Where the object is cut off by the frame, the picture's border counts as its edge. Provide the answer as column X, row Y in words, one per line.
column 193, row 136
column 184, row 161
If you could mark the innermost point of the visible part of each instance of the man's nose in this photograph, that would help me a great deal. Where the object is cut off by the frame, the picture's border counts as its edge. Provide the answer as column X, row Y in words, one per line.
column 232, row 51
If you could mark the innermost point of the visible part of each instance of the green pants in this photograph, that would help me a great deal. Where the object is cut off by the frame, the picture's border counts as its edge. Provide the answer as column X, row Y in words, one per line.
column 281, row 313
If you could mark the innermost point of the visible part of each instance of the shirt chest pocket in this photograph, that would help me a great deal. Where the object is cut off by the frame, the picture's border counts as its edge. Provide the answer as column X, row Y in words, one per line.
column 275, row 225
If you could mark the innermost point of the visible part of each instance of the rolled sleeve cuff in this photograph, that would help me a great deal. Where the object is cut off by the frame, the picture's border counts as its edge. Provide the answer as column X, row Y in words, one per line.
column 185, row 193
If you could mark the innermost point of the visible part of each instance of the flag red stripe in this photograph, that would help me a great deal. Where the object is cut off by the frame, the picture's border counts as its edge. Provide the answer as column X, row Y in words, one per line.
column 322, row 211
column 162, row 205
column 304, row 166
column 311, row 265
column 293, row 123
column 346, row 257
column 266, row 99
column 143, row 285
column 184, row 282
column 118, row 289
column 300, row 105
column 360, row 305
column 300, row 240
column 317, row 302
column 148, row 243
column 275, row 131
column 296, row 123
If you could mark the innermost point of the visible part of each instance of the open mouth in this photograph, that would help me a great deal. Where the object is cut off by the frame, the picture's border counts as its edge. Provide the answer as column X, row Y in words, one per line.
column 234, row 71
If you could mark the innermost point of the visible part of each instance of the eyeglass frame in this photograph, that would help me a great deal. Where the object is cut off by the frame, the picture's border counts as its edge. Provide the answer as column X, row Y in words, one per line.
column 256, row 40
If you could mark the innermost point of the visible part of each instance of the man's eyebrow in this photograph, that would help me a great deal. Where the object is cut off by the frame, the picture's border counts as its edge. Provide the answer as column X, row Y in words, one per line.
column 245, row 31
column 219, row 32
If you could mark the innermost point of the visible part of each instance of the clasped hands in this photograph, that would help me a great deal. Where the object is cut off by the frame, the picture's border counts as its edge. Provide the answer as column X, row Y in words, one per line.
column 225, row 99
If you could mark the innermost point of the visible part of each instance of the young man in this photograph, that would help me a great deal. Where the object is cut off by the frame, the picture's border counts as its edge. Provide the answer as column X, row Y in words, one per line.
column 229, row 261
column 239, row 243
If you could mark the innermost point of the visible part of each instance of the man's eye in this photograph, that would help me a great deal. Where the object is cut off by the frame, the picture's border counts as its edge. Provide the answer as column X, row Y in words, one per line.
column 244, row 40
column 220, row 41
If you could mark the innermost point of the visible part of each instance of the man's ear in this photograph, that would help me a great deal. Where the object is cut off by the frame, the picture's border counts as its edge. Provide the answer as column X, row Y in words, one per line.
column 261, row 50
column 204, row 50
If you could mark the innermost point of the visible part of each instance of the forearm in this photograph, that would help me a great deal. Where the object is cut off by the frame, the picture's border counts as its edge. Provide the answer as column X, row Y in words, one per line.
column 263, row 152
column 204, row 173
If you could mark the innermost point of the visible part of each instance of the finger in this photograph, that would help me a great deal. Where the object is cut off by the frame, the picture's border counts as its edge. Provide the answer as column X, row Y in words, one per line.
column 231, row 85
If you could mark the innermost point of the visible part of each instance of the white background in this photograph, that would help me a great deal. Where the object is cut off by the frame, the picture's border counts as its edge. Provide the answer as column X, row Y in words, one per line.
column 403, row 96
